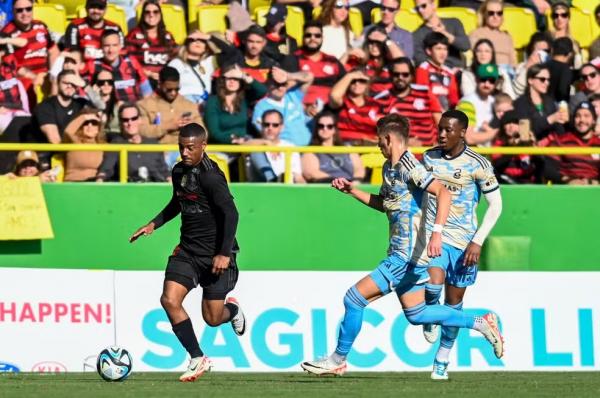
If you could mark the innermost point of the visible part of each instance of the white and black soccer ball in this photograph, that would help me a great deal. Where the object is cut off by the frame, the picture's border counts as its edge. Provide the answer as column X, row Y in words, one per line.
column 114, row 364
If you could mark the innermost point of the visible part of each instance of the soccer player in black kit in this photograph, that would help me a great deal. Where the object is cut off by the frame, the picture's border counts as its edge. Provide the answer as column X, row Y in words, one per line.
column 207, row 250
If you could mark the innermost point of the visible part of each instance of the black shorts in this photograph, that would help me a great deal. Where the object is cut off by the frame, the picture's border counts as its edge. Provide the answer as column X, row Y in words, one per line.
column 191, row 271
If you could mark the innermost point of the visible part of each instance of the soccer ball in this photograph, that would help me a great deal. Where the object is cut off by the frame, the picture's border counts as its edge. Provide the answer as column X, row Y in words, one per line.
column 114, row 364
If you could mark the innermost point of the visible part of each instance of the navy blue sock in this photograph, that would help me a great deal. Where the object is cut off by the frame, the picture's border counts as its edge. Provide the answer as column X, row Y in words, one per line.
column 432, row 293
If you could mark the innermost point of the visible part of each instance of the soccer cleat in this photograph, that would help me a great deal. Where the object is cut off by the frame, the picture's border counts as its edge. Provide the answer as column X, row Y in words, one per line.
column 440, row 370
column 324, row 366
column 492, row 333
column 196, row 368
column 238, row 322
column 431, row 332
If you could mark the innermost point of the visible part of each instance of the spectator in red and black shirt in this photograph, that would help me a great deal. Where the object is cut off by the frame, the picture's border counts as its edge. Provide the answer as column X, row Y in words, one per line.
column 34, row 58
column 13, row 97
column 359, row 113
column 83, row 34
column 413, row 101
column 149, row 42
column 326, row 69
column 130, row 81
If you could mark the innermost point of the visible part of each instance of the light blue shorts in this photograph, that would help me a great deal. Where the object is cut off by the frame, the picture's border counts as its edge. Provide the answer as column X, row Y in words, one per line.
column 397, row 273
column 451, row 261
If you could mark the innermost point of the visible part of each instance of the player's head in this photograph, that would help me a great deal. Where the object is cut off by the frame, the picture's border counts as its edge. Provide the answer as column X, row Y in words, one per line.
column 452, row 129
column 392, row 130
column 192, row 142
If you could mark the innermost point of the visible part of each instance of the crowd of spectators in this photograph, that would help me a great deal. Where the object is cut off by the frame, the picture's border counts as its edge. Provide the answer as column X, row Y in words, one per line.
column 258, row 86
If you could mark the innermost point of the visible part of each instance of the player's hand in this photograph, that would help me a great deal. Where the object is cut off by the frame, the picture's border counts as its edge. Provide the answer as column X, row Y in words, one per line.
column 434, row 248
column 145, row 230
column 342, row 185
column 220, row 264
column 472, row 255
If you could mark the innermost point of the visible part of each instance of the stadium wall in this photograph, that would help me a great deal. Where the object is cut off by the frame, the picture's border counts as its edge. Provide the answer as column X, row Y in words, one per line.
column 301, row 228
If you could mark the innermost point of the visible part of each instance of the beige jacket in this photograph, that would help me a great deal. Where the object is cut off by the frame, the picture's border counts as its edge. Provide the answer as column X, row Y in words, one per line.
column 151, row 106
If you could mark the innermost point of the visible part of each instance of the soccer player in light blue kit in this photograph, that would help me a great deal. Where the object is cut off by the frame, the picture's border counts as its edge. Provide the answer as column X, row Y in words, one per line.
column 405, row 269
column 466, row 175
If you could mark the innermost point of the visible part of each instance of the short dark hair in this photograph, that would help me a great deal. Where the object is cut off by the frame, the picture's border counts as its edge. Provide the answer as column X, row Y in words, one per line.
column 64, row 73
column 271, row 112
column 108, row 32
column 168, row 74
column 394, row 124
column 404, row 61
column 460, row 116
column 536, row 38
column 435, row 38
column 127, row 105
column 312, row 24
column 535, row 69
column 562, row 46
column 193, row 130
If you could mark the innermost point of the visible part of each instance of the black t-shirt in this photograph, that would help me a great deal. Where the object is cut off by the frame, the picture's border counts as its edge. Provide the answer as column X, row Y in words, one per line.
column 50, row 111
column 208, row 214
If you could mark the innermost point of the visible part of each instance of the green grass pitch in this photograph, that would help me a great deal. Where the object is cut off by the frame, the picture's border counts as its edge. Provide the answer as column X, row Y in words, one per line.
column 353, row 384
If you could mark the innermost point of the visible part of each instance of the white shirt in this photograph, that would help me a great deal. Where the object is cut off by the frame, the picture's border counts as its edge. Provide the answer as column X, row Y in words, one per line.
column 334, row 41
column 277, row 160
column 189, row 83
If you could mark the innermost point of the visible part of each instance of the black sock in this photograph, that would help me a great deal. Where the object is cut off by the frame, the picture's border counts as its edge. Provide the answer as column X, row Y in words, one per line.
column 185, row 333
column 233, row 310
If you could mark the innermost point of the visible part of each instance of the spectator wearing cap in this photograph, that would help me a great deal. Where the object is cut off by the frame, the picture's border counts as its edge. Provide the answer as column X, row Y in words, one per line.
column 141, row 166
column 285, row 94
column 165, row 111
column 484, row 53
column 578, row 169
column 478, row 106
column 252, row 57
column 279, row 43
column 28, row 165
column 561, row 75
column 402, row 38
column 452, row 28
column 590, row 76
column 83, row 34
column 595, row 46
column 35, row 57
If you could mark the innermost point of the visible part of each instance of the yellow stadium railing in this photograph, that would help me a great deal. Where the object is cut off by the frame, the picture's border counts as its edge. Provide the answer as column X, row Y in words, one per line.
column 123, row 149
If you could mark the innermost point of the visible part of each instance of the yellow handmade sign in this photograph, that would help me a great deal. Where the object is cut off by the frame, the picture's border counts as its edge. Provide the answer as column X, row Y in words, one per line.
column 23, row 212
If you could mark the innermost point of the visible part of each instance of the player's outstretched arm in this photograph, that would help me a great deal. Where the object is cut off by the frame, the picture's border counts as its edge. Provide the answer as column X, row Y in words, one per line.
column 171, row 210
column 345, row 186
column 443, row 198
column 492, row 214
column 145, row 231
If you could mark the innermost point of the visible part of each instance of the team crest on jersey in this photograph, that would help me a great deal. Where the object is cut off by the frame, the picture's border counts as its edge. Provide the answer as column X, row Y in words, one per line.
column 457, row 173
column 40, row 37
column 419, row 104
column 139, row 36
column 352, row 111
column 188, row 181
column 373, row 114
column 87, row 37
column 328, row 69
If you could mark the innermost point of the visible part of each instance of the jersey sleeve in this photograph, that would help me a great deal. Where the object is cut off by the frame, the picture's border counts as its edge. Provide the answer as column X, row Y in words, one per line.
column 416, row 173
column 72, row 37
column 486, row 179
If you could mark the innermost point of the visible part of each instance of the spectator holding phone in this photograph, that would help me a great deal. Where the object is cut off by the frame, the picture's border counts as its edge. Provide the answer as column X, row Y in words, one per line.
column 164, row 112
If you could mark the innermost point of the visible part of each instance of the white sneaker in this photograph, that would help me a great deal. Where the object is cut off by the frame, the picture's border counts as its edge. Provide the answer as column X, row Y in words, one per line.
column 492, row 333
column 431, row 332
column 238, row 322
column 440, row 370
column 324, row 366
column 196, row 368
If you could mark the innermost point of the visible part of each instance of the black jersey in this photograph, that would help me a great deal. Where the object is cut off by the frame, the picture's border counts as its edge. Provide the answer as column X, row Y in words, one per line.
column 208, row 214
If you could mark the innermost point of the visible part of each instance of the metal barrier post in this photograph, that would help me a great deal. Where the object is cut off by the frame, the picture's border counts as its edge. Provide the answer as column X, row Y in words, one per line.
column 288, row 177
column 123, row 167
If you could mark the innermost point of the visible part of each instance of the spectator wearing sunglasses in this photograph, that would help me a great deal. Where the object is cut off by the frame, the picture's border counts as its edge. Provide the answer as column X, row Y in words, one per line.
column 325, row 167
column 285, row 94
column 561, row 27
column 103, row 84
column 538, row 107
column 537, row 52
column 484, row 53
column 85, row 128
column 402, row 38
column 491, row 17
column 337, row 35
column 590, row 79
column 452, row 28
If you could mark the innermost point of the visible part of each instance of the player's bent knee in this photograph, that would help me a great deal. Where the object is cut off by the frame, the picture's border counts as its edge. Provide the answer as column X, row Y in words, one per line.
column 353, row 298
column 169, row 303
column 212, row 319
column 415, row 319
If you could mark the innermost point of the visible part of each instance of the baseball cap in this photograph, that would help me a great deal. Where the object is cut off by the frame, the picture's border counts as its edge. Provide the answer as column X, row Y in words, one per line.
column 486, row 71
column 95, row 4
column 27, row 155
column 585, row 105
column 276, row 14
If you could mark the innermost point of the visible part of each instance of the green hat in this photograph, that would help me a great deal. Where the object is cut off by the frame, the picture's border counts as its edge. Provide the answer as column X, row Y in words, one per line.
column 487, row 70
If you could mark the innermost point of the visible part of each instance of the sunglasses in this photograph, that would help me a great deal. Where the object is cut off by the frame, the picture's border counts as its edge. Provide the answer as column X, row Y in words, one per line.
column 104, row 82
column 152, row 12
column 131, row 119
column 589, row 76
column 23, row 9
column 374, row 43
column 495, row 13
column 388, row 9
column 193, row 39
column 91, row 123
column 339, row 5
column 401, row 74
column 315, row 35
column 421, row 6
column 361, row 81
column 542, row 79
column 563, row 15
column 491, row 80
column 322, row 126
column 267, row 125
column 232, row 78
column 279, row 85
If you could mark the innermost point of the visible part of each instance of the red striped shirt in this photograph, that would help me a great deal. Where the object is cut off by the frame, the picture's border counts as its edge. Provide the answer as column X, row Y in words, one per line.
column 358, row 122
column 80, row 36
column 327, row 70
column 9, row 85
column 575, row 166
column 127, row 77
column 441, row 81
column 147, row 51
column 418, row 106
column 380, row 76
column 34, row 55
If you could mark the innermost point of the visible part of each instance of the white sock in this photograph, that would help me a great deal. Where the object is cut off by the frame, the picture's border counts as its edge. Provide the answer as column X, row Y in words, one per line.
column 443, row 354
column 337, row 358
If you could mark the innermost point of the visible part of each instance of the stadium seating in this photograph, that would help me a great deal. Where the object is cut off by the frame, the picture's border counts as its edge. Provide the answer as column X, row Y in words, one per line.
column 374, row 161
column 221, row 161
column 53, row 15
column 410, row 4
column 212, row 18
column 586, row 5
column 174, row 17
column 254, row 4
column 294, row 21
column 70, row 6
column 467, row 16
column 582, row 26
column 520, row 23
column 406, row 19
column 114, row 14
